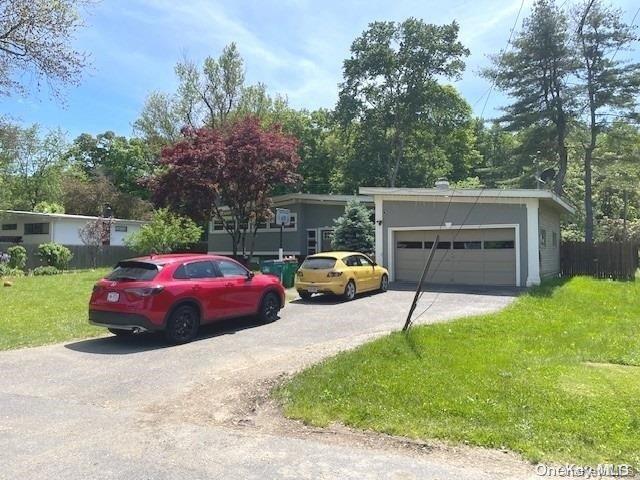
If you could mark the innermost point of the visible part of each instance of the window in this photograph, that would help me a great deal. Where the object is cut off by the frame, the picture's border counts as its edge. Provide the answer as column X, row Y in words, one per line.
column 217, row 225
column 364, row 261
column 9, row 226
column 498, row 244
column 472, row 245
column 262, row 224
column 327, row 234
column 351, row 261
column 36, row 228
column 195, row 270
column 231, row 269
column 311, row 242
column 441, row 245
column 543, row 238
column 554, row 239
column 409, row 244
column 121, row 228
column 134, row 271
column 319, row 263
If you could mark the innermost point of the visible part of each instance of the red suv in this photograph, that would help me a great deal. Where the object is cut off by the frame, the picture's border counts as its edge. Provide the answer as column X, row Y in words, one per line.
column 178, row 293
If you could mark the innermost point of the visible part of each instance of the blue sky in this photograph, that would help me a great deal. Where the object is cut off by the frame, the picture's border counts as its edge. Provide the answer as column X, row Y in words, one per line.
column 296, row 47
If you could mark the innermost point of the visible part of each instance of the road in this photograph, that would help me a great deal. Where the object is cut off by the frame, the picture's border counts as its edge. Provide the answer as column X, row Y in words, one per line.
column 110, row 408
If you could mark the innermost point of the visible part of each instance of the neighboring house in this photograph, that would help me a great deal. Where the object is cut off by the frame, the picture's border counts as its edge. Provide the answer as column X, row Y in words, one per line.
column 309, row 232
column 36, row 228
column 487, row 237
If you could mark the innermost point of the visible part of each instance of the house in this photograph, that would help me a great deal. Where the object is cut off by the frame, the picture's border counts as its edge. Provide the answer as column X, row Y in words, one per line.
column 309, row 231
column 35, row 228
column 486, row 237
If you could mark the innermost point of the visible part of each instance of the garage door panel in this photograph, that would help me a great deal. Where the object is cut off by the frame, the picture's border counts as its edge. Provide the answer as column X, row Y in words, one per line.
column 469, row 263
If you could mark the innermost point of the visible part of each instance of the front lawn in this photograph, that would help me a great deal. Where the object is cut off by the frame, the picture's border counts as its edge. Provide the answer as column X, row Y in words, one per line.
column 47, row 309
column 555, row 376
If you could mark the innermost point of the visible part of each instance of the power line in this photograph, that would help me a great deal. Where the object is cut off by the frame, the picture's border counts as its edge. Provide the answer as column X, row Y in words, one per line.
column 513, row 29
column 633, row 21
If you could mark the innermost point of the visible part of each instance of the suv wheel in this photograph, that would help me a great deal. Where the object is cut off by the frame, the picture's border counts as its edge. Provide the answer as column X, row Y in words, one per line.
column 269, row 308
column 349, row 291
column 183, row 324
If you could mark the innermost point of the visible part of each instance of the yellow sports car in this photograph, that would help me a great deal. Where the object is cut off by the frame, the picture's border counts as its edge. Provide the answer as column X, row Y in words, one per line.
column 340, row 273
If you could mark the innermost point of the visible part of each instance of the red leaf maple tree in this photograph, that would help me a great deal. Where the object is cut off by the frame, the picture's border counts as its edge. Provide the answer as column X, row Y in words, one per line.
column 222, row 173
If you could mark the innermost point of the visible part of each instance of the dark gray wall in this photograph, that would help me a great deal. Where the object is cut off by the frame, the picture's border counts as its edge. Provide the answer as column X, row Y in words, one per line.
column 310, row 215
column 414, row 214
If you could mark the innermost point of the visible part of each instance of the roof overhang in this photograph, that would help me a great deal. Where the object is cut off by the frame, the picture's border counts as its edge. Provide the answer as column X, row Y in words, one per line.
column 323, row 199
column 469, row 195
column 66, row 216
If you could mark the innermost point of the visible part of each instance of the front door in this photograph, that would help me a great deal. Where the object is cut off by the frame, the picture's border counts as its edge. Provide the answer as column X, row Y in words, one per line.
column 240, row 293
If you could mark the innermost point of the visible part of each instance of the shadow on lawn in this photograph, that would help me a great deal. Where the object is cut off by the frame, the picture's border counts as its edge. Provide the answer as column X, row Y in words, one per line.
column 547, row 287
column 143, row 342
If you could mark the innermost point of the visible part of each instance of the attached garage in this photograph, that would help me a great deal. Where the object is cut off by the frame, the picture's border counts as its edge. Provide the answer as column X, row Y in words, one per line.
column 462, row 257
column 486, row 236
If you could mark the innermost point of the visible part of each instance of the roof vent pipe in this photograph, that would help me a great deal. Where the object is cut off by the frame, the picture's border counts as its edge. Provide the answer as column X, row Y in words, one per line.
column 442, row 184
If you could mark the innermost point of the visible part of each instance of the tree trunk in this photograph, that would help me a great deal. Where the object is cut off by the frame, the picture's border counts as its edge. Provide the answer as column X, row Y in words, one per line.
column 625, row 213
column 399, row 154
column 588, row 196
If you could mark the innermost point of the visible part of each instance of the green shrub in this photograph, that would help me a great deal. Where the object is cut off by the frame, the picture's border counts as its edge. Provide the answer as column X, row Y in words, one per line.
column 40, row 271
column 7, row 271
column 165, row 233
column 17, row 257
column 55, row 255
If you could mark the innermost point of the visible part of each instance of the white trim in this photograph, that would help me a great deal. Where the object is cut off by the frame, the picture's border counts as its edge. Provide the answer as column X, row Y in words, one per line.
column 533, row 242
column 327, row 199
column 391, row 244
column 65, row 215
column 379, row 229
column 466, row 195
column 258, row 252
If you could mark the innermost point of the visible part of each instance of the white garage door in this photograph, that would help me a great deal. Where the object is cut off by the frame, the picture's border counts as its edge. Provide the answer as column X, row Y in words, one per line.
column 465, row 257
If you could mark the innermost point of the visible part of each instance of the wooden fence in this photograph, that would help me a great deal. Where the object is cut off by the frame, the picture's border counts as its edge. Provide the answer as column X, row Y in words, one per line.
column 614, row 260
column 107, row 257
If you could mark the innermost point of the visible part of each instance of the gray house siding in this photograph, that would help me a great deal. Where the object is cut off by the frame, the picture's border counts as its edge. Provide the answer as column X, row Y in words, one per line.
column 266, row 241
column 549, row 225
column 430, row 214
column 309, row 216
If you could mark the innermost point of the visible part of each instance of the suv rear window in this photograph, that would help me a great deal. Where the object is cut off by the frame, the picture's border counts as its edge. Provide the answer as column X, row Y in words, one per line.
column 319, row 263
column 134, row 271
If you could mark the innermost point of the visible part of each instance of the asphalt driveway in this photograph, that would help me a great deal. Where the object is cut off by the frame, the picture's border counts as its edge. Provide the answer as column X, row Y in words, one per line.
column 136, row 409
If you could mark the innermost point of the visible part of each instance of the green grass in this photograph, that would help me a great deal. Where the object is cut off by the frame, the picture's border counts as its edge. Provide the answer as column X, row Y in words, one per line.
column 555, row 377
column 41, row 310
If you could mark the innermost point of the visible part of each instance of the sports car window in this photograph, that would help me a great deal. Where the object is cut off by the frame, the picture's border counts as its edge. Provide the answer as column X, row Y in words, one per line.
column 351, row 261
column 364, row 261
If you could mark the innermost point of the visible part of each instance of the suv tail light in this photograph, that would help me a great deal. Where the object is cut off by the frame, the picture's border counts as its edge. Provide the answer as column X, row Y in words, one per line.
column 144, row 291
column 334, row 274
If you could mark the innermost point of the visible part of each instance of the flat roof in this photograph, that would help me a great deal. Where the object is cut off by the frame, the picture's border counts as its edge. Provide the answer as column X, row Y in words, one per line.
column 471, row 193
column 65, row 215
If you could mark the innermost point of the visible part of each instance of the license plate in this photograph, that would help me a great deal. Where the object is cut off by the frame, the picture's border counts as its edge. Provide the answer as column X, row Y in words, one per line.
column 312, row 289
column 113, row 297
